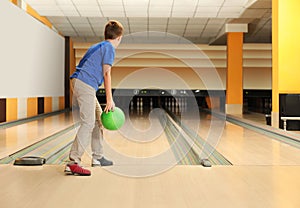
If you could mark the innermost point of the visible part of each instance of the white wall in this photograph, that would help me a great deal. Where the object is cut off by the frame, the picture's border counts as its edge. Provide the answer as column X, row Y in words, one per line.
column 32, row 56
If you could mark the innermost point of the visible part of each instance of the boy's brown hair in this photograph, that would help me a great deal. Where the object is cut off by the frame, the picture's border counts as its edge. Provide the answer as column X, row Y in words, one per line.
column 113, row 30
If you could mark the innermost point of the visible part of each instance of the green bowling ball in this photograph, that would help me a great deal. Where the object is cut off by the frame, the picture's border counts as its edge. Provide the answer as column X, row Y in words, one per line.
column 113, row 120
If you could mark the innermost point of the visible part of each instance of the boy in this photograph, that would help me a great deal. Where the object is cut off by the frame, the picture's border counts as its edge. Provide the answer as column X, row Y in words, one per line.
column 93, row 69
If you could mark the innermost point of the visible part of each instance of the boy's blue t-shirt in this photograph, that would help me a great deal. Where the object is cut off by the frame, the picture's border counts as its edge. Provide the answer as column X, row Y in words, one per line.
column 90, row 67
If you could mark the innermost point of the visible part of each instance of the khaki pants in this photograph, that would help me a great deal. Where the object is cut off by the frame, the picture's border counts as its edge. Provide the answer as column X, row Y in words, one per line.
column 87, row 111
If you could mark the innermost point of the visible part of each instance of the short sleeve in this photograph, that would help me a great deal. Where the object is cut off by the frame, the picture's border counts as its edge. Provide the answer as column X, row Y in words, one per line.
column 108, row 54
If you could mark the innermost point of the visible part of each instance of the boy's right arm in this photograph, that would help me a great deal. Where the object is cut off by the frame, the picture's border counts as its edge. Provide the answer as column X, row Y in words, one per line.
column 107, row 85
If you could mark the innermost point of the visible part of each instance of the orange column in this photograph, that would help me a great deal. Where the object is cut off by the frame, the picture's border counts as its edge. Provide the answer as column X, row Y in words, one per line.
column 234, row 80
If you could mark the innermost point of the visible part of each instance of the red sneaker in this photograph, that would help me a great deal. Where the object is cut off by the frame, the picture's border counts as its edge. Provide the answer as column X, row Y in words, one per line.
column 75, row 169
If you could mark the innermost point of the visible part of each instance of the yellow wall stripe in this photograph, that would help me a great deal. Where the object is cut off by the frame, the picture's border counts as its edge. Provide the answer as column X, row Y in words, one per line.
column 47, row 104
column 32, row 107
column 11, row 109
column 14, row 2
column 33, row 13
column 61, row 103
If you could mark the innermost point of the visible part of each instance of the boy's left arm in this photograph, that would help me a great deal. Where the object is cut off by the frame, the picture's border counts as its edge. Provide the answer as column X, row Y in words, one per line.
column 107, row 85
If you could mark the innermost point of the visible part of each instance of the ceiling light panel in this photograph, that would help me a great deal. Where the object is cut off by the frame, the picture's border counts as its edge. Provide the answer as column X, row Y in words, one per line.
column 229, row 15
column 109, row 11
column 158, row 21
column 85, row 2
column 166, row 3
column 71, row 13
column 208, row 35
column 89, row 10
column 158, row 8
column 86, row 33
column 109, row 2
column 136, row 11
column 136, row 2
column 184, row 8
column 235, row 3
column 231, row 9
column 78, row 20
column 67, row 8
column 176, row 30
column 97, row 20
column 138, row 20
column 50, row 12
column 195, row 27
column 176, row 27
column 207, row 12
column 179, row 21
column 64, row 2
column 63, row 26
column 200, row 21
column 192, row 33
column 208, row 3
column 160, row 28
column 58, row 20
column 207, row 9
column 216, row 21
column 134, row 8
column 98, row 32
column 183, row 12
column 159, row 11
column 213, row 27
column 39, row 2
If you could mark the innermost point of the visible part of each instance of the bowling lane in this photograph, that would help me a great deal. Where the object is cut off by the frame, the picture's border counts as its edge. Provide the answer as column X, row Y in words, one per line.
column 18, row 137
column 169, row 139
column 242, row 146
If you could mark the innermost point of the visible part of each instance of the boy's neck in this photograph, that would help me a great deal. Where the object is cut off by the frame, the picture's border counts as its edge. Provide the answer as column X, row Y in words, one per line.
column 114, row 42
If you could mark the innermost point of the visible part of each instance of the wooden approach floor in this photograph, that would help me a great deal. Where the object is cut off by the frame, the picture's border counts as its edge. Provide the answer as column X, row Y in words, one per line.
column 181, row 186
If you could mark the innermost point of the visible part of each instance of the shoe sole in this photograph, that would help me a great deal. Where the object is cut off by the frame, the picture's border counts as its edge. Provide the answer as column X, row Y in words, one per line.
column 99, row 165
column 69, row 172
column 96, row 165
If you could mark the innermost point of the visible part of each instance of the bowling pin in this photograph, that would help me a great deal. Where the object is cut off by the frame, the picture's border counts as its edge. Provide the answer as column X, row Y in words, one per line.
column 141, row 106
column 151, row 104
